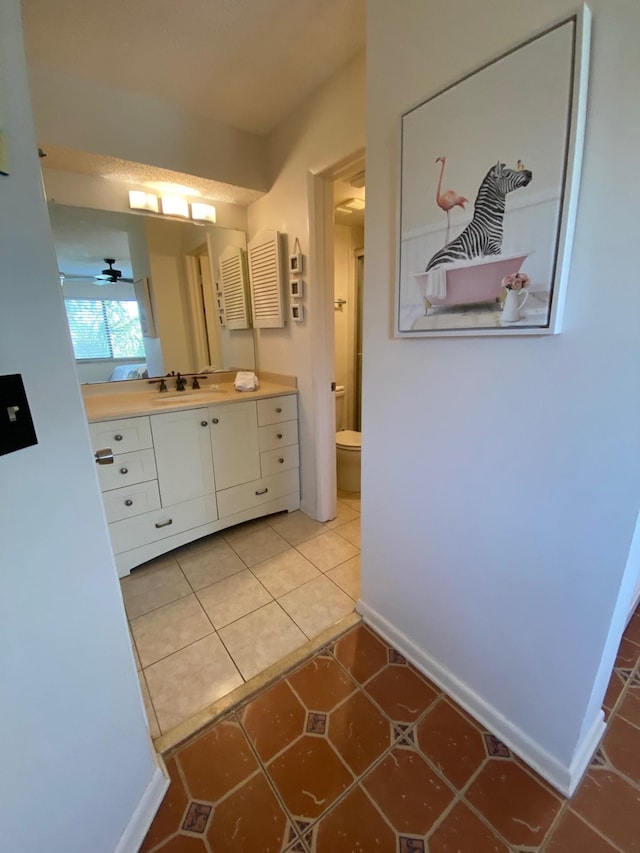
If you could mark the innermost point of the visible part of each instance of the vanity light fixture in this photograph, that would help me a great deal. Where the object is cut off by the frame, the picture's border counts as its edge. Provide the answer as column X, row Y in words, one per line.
column 140, row 200
column 172, row 205
column 203, row 212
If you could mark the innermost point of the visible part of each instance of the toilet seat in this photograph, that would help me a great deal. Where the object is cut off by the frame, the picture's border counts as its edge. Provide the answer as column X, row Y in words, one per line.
column 349, row 439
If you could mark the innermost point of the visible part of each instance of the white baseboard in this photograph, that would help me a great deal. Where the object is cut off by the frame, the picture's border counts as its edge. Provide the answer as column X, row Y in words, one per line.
column 141, row 819
column 564, row 778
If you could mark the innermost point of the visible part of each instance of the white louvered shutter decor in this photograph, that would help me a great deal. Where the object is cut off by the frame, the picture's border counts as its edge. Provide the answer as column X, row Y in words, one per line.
column 265, row 276
column 233, row 280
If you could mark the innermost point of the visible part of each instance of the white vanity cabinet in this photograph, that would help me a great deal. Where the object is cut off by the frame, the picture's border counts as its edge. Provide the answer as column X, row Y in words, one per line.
column 192, row 471
column 183, row 455
column 234, row 441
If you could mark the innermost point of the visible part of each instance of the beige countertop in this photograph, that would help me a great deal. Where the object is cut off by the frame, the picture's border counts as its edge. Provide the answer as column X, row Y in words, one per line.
column 105, row 407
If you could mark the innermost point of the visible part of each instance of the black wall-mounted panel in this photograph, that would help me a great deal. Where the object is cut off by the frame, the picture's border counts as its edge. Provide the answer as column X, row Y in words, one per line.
column 16, row 426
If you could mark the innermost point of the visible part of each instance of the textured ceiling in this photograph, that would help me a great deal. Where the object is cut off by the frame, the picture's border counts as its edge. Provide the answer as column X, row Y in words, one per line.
column 245, row 63
column 134, row 175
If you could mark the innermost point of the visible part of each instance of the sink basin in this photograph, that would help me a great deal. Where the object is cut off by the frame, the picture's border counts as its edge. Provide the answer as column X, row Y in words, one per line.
column 169, row 398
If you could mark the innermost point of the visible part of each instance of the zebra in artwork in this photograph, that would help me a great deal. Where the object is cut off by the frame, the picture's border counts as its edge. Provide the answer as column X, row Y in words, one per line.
column 483, row 235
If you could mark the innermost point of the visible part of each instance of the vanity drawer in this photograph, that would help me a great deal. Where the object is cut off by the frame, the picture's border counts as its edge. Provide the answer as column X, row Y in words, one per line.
column 131, row 500
column 276, row 409
column 153, row 526
column 261, row 491
column 277, row 435
column 281, row 459
column 122, row 436
column 128, row 469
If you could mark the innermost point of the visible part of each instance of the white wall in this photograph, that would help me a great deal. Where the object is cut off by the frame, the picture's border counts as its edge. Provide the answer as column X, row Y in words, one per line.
column 514, row 469
column 328, row 129
column 87, row 116
column 76, row 756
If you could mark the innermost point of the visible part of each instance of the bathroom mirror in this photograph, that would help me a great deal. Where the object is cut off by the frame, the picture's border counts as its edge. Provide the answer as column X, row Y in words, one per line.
column 165, row 274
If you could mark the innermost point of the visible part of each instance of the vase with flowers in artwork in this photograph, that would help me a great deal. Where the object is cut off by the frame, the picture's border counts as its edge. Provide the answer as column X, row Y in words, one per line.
column 517, row 294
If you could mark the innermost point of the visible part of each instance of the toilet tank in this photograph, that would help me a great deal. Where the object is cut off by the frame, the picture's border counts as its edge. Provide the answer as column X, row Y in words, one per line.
column 340, row 414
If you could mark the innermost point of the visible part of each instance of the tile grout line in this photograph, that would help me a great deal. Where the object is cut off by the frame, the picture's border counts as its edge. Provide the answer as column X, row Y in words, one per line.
column 263, row 767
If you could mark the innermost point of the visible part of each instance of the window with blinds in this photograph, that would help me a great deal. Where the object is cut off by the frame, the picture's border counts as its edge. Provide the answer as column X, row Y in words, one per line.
column 265, row 276
column 233, row 281
column 104, row 328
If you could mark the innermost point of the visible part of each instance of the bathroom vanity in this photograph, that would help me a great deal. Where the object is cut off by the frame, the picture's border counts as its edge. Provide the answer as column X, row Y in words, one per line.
column 176, row 466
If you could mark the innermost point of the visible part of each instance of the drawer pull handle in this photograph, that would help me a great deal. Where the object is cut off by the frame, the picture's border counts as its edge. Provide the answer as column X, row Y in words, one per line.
column 104, row 456
column 278, row 410
column 279, row 435
column 118, row 437
column 262, row 491
column 128, row 502
column 203, row 423
column 124, row 470
column 281, row 460
column 214, row 420
column 164, row 523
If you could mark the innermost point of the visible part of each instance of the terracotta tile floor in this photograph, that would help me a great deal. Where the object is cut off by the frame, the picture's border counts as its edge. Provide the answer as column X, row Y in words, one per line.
column 210, row 616
column 356, row 751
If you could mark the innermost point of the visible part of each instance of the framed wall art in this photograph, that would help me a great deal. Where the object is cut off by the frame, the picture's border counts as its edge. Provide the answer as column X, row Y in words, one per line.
column 490, row 170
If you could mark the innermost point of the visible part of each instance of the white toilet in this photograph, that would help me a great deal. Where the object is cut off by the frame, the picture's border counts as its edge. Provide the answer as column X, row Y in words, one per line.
column 348, row 449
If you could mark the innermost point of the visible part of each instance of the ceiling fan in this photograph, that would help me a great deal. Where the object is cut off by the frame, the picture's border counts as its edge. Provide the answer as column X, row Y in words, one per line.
column 110, row 275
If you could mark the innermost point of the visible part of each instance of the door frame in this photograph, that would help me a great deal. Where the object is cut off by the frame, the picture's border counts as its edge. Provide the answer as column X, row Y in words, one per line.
column 321, row 309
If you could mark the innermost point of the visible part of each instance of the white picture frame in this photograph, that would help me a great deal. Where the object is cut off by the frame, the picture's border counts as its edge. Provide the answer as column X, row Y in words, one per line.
column 295, row 264
column 297, row 312
column 456, row 274
column 296, row 288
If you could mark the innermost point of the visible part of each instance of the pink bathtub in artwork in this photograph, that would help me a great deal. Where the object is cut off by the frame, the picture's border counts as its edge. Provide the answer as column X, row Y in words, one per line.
column 467, row 282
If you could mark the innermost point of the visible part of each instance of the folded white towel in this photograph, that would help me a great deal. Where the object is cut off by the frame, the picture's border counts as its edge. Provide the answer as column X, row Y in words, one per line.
column 246, row 380
column 437, row 283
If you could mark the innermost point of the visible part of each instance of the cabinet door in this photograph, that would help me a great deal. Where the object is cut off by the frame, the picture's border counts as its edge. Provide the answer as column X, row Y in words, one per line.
column 234, row 440
column 183, row 455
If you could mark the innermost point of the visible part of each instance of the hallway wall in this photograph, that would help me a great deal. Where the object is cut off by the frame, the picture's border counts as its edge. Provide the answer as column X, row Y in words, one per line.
column 497, row 523
column 328, row 129
column 76, row 757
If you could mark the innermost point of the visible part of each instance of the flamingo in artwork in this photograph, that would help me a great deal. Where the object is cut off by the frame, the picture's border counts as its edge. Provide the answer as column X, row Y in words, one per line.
column 449, row 198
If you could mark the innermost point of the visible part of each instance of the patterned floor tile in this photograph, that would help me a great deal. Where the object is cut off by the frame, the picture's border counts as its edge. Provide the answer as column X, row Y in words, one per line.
column 359, row 732
column 462, row 830
column 183, row 844
column 401, row 693
column 217, row 762
column 408, row 792
column 451, row 742
column 249, row 819
column 171, row 813
column 621, row 745
column 309, row 776
column 321, row 684
column 355, row 824
column 274, row 720
column 628, row 654
column 614, row 691
column 629, row 708
column 517, row 806
column 610, row 805
column 572, row 835
column 362, row 653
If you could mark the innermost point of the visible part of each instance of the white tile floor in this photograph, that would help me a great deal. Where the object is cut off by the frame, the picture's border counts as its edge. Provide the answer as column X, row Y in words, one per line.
column 211, row 615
